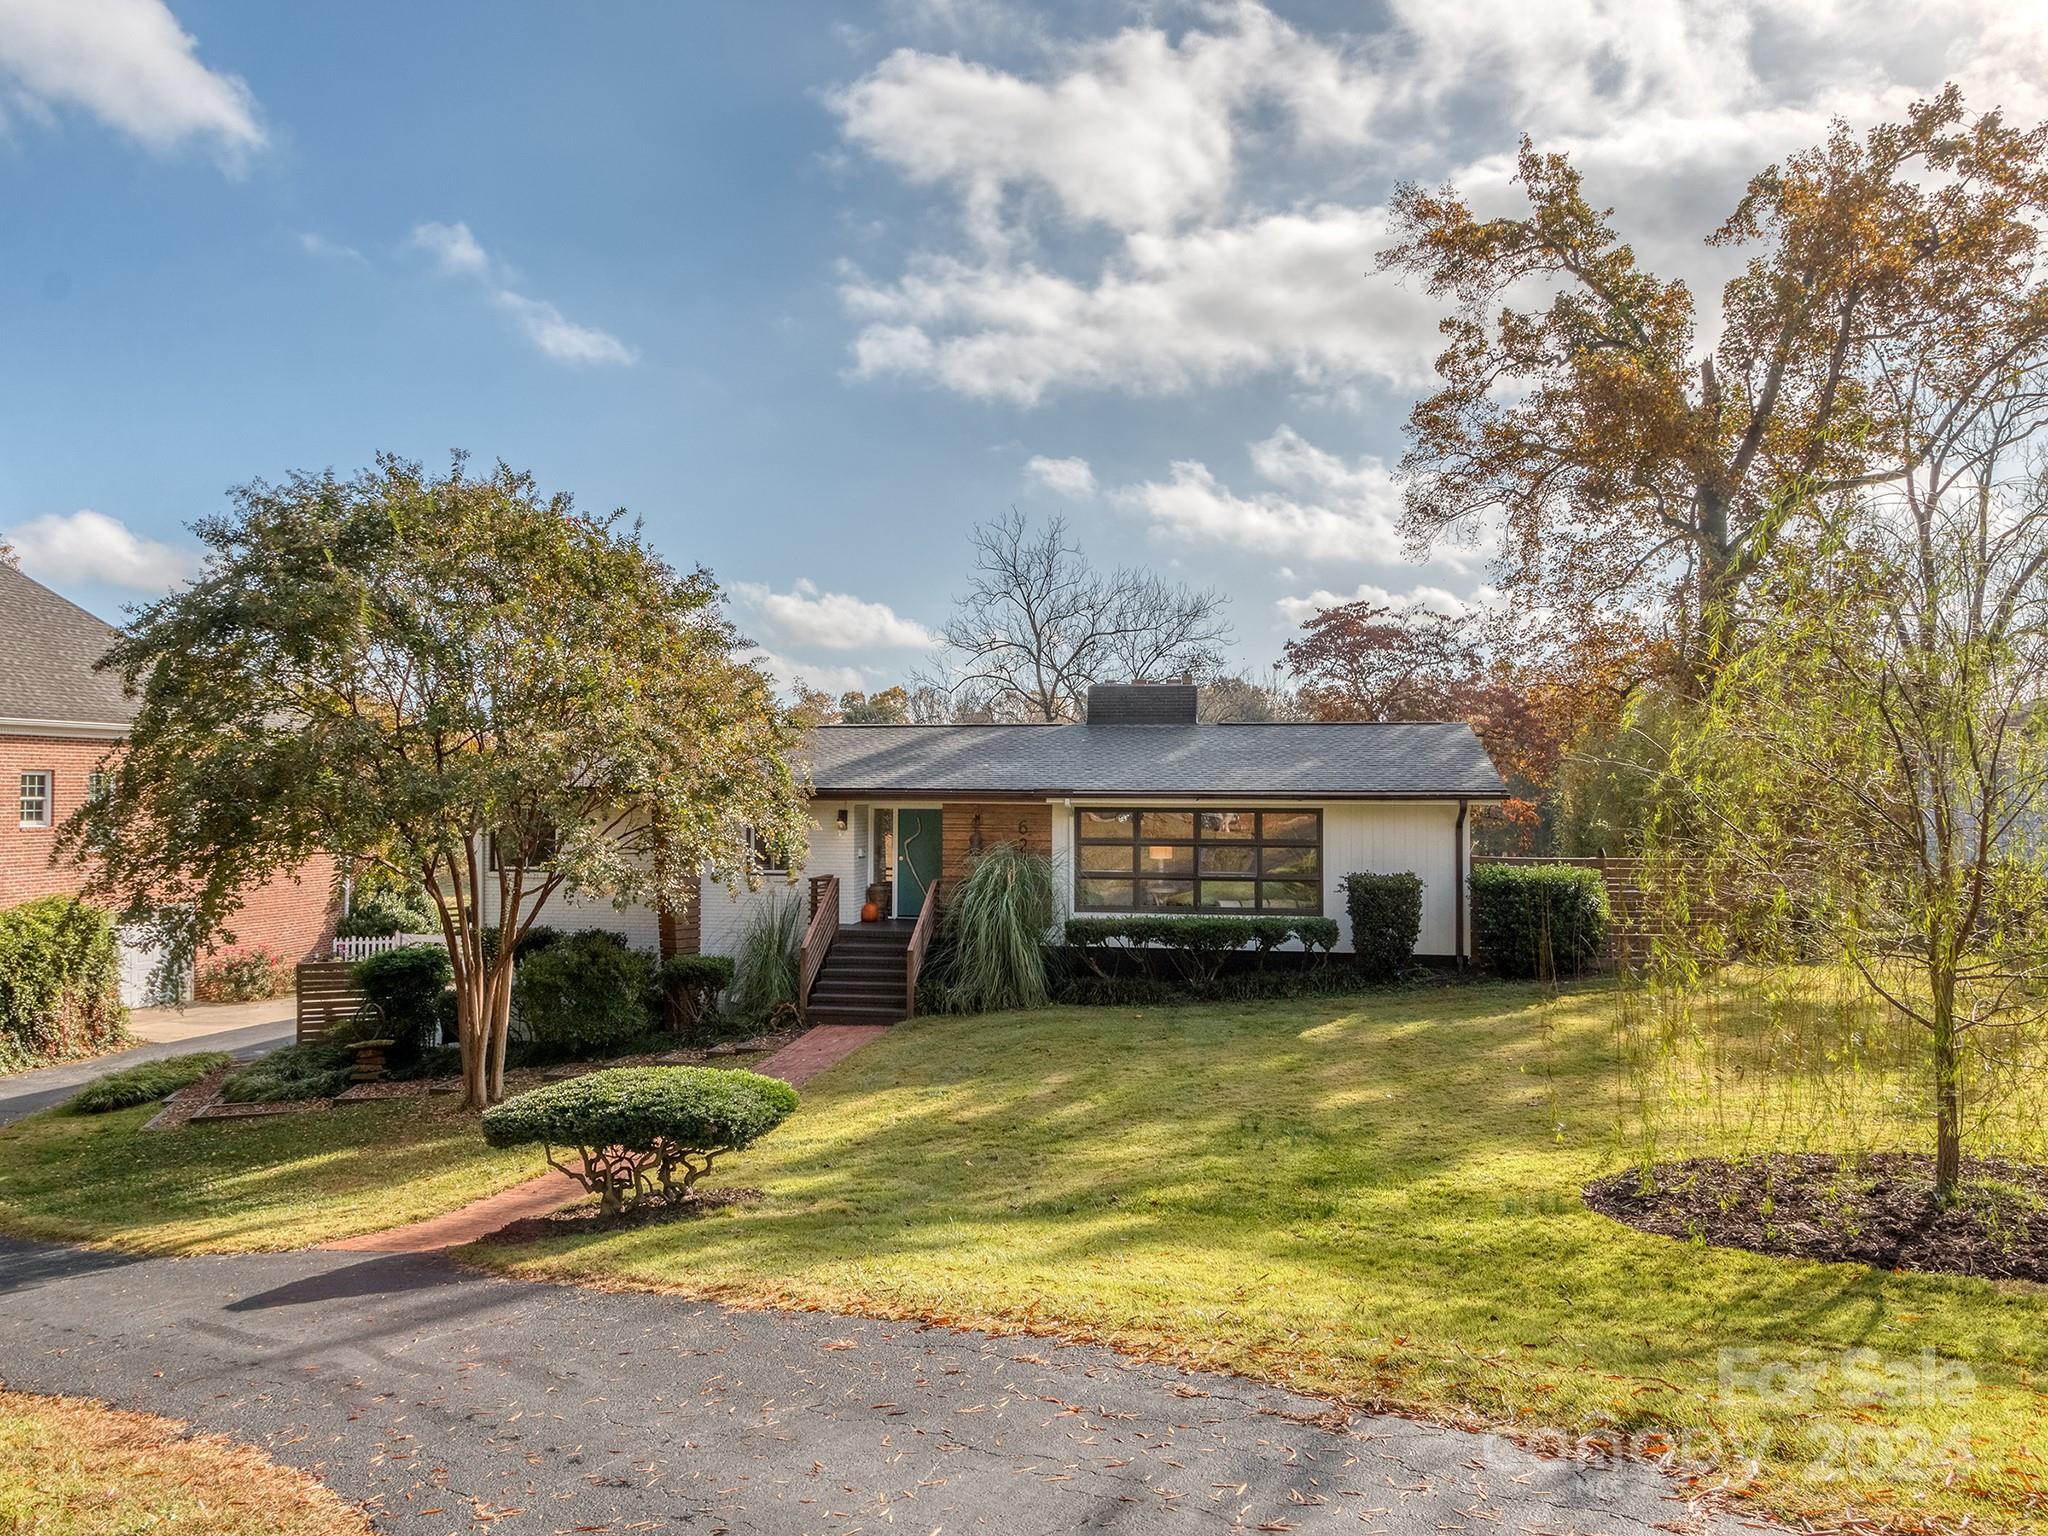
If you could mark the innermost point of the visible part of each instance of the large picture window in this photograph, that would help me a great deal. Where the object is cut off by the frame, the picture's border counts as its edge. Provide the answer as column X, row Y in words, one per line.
column 1141, row 860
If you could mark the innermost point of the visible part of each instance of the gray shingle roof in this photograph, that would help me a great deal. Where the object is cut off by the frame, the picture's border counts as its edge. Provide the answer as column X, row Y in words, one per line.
column 47, row 647
column 1339, row 761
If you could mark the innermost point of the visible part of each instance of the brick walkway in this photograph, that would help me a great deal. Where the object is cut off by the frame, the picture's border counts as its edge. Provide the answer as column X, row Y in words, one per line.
column 796, row 1063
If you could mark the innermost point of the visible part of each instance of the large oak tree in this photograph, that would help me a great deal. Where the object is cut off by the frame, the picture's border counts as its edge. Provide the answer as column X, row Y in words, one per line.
column 1632, row 464
column 453, row 678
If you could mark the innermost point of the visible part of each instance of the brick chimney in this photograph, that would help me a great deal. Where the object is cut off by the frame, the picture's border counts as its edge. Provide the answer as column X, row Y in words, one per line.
column 1143, row 703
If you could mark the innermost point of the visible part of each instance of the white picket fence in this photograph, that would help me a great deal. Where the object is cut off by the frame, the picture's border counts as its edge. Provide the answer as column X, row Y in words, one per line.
column 360, row 949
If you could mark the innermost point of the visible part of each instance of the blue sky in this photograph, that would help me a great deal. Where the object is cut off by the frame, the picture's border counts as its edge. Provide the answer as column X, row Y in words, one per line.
column 812, row 288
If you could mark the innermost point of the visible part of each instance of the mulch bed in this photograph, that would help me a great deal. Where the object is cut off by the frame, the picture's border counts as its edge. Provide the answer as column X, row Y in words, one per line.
column 1877, row 1209
column 595, row 1218
column 181, row 1106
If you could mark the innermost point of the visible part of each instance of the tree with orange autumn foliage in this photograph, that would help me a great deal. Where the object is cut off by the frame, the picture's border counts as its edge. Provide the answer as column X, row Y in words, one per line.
column 1632, row 468
column 1377, row 661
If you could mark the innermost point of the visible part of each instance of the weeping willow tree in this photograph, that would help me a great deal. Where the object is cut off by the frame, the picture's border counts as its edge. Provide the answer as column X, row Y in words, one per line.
column 1864, row 782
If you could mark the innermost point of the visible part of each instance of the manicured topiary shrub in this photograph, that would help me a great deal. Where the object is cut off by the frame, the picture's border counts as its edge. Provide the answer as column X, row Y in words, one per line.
column 687, row 989
column 1538, row 919
column 1386, row 919
column 634, row 1134
column 145, row 1083
column 293, row 1072
column 407, row 985
column 60, row 982
column 1194, row 948
column 584, row 994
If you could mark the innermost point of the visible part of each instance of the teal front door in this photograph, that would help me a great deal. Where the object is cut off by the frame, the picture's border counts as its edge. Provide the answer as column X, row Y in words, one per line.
column 917, row 858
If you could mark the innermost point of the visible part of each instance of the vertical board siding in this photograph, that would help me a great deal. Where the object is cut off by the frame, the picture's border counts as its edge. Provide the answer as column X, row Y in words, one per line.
column 1391, row 838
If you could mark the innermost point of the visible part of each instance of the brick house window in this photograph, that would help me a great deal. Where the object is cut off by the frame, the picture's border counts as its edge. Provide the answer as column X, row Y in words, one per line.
column 98, row 785
column 1188, row 860
column 35, row 798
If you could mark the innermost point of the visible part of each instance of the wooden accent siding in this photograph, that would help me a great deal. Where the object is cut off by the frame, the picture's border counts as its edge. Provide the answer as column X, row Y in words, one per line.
column 328, row 995
column 1000, row 820
column 682, row 933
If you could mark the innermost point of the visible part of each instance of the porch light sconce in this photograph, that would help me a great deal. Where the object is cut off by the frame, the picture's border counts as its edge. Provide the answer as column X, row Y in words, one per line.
column 974, row 841
column 842, row 818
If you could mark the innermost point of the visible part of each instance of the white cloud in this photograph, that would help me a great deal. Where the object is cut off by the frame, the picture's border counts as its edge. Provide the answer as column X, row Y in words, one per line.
column 313, row 243
column 793, row 674
column 1069, row 477
column 1244, row 220
column 453, row 248
column 559, row 337
column 1133, row 131
column 1284, row 292
column 129, row 64
column 88, row 546
column 1299, row 610
column 457, row 254
column 834, row 621
column 1325, row 509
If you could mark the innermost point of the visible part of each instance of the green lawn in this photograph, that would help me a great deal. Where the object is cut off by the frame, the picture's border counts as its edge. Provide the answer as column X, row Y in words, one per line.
column 1376, row 1197
column 233, row 1186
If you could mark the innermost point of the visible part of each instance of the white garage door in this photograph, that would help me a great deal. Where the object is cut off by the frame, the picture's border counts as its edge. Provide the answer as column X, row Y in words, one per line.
column 138, row 960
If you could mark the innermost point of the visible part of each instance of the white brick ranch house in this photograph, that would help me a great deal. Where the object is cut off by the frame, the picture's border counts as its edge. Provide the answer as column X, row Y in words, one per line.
column 1142, row 809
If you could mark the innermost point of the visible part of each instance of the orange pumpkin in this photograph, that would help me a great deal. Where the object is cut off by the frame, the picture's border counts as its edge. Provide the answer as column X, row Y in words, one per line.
column 871, row 913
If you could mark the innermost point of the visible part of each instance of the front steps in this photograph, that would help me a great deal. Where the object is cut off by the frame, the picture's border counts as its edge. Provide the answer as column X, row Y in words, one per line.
column 861, row 981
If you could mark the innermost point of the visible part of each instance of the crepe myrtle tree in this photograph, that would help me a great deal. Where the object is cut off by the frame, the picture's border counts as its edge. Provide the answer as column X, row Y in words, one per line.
column 455, row 678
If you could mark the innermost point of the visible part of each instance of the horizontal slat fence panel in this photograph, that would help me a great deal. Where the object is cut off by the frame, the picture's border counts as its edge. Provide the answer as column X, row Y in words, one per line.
column 328, row 995
column 1626, row 901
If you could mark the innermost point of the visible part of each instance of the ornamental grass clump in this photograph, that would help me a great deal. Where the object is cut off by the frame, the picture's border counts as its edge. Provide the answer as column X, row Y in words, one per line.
column 765, row 974
column 145, row 1083
column 996, row 925
column 641, row 1135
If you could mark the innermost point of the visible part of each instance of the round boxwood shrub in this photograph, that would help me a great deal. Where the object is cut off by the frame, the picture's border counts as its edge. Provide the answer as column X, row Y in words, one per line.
column 1538, row 919
column 584, row 994
column 380, row 911
column 406, row 985
column 642, row 1133
column 1386, row 920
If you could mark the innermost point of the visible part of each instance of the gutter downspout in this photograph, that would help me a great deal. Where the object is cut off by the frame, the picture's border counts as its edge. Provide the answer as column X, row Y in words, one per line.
column 1458, row 863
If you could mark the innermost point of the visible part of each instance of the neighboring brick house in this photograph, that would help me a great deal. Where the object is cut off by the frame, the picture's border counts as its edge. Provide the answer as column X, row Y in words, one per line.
column 59, row 721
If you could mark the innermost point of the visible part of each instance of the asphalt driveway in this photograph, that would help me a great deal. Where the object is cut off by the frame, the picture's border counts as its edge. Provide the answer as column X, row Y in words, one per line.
column 451, row 1401
column 27, row 1092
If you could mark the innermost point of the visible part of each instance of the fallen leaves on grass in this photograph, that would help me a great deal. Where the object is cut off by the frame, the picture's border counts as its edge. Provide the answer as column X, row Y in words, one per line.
column 75, row 1468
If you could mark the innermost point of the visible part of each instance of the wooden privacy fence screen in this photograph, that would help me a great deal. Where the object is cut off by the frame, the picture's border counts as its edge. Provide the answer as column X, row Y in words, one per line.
column 328, row 995
column 1629, row 933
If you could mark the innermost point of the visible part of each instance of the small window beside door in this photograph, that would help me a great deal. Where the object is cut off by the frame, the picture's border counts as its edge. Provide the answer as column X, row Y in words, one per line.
column 36, row 796
column 765, row 860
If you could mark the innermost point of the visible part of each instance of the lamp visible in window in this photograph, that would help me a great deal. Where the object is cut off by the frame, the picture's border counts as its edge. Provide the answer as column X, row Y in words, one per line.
column 841, row 818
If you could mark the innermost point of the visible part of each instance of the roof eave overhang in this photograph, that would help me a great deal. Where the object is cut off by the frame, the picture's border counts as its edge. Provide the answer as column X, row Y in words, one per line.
column 926, row 792
column 89, row 730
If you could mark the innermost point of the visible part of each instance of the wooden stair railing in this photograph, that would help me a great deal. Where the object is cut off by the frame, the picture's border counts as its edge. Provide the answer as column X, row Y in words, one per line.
column 818, row 937
column 920, row 941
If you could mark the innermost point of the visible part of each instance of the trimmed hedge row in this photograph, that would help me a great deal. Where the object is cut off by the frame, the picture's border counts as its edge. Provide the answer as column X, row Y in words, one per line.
column 60, row 981
column 1538, row 919
column 1197, row 946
